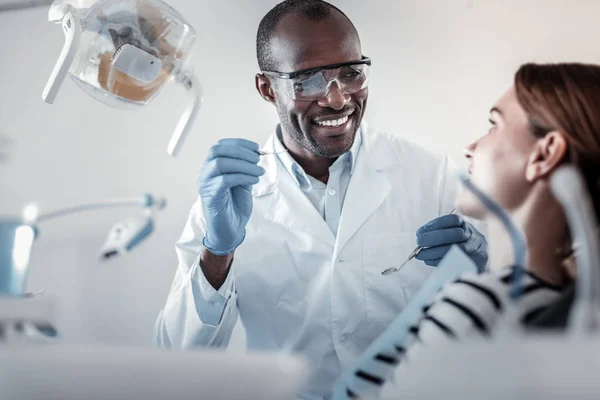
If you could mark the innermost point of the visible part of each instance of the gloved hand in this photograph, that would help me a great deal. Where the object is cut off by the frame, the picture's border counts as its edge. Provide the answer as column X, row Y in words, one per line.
column 225, row 186
column 441, row 233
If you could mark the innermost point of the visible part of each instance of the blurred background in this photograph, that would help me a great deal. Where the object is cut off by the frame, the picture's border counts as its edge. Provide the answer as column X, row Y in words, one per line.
column 438, row 67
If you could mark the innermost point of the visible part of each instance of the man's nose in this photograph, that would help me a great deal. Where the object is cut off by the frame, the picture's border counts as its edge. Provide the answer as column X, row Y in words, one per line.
column 335, row 98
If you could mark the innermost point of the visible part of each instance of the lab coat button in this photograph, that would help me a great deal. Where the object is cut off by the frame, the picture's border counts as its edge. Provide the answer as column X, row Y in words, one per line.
column 332, row 192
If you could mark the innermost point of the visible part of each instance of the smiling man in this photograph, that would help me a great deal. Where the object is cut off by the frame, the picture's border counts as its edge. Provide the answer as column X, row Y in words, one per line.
column 313, row 217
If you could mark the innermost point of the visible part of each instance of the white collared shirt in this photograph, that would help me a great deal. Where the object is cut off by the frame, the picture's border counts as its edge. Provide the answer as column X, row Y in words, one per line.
column 327, row 198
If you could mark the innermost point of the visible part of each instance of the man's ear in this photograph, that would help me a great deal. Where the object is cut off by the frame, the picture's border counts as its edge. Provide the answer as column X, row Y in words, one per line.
column 547, row 154
column 264, row 88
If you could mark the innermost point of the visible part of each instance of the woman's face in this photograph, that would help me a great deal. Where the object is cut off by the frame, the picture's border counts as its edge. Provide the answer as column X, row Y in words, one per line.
column 498, row 160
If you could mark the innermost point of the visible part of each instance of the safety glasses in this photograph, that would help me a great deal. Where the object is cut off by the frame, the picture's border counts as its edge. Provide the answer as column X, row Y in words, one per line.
column 315, row 83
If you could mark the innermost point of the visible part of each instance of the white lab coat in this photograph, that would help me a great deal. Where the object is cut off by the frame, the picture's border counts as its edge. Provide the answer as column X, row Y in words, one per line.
column 296, row 286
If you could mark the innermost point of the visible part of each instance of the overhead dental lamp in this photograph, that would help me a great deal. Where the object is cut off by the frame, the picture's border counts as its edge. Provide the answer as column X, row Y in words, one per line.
column 17, row 236
column 123, row 52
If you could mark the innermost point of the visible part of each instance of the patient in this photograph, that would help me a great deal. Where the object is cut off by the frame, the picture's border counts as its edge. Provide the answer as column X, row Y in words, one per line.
column 550, row 116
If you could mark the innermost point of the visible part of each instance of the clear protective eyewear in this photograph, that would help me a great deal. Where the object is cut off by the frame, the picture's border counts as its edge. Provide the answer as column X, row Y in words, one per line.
column 315, row 83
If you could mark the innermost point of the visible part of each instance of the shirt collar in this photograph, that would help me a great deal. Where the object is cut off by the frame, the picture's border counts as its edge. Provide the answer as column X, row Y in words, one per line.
column 297, row 172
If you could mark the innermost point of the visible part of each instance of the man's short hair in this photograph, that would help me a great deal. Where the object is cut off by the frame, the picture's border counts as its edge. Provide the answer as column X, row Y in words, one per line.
column 312, row 10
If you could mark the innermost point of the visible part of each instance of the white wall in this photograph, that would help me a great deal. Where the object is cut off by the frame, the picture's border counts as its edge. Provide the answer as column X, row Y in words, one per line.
column 438, row 65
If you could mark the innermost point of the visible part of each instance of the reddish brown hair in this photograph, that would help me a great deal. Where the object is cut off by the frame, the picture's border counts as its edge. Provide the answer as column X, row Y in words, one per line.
column 566, row 98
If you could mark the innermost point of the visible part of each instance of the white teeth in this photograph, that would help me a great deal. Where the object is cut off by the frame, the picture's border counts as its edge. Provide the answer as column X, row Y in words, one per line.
column 335, row 122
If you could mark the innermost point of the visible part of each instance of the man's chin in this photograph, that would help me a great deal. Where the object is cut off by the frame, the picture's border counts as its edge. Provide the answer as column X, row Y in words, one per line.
column 325, row 148
column 333, row 146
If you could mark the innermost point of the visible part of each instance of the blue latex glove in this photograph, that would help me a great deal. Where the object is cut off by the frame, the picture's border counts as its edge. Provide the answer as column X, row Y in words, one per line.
column 225, row 186
column 441, row 233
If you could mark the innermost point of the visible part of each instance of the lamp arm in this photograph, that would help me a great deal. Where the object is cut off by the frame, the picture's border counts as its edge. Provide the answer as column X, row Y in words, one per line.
column 145, row 200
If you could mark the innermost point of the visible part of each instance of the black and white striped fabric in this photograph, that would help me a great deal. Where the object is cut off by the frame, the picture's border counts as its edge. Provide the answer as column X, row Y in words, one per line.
column 470, row 306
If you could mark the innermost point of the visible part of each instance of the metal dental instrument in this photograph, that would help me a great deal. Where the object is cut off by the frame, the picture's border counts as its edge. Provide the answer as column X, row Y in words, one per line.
column 412, row 255
column 264, row 153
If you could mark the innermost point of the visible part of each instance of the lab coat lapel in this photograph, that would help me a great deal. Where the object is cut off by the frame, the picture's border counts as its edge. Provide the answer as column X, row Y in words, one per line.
column 367, row 190
column 288, row 204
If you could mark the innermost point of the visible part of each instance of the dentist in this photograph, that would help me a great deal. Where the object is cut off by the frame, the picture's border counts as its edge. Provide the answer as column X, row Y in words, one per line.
column 293, row 237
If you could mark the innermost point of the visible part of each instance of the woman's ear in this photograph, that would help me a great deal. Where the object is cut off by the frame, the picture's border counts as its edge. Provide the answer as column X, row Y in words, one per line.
column 547, row 154
column 264, row 88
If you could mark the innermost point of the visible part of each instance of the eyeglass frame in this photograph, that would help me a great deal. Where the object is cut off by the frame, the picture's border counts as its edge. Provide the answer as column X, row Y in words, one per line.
column 291, row 75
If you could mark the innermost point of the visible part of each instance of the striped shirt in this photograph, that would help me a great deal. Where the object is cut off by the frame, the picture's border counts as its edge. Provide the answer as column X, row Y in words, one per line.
column 466, row 308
